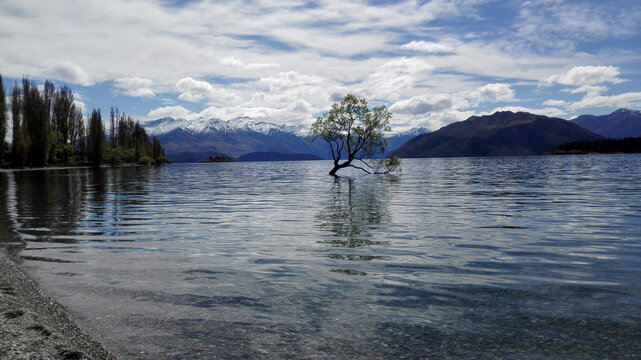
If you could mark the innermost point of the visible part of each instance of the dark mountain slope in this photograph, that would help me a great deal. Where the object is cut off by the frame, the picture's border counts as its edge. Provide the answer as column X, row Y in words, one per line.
column 237, row 143
column 500, row 134
column 276, row 156
column 397, row 140
column 620, row 124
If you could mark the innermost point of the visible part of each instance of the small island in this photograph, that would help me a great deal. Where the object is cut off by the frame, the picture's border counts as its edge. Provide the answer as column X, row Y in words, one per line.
column 218, row 158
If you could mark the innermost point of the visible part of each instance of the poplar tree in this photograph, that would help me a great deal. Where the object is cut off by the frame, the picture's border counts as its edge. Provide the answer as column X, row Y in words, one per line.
column 48, row 94
column 95, row 138
column 18, row 143
column 35, row 116
column 63, row 110
column 3, row 121
column 76, row 126
column 112, row 130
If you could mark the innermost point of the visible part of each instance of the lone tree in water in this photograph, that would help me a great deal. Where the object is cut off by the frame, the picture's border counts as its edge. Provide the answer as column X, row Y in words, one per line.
column 354, row 133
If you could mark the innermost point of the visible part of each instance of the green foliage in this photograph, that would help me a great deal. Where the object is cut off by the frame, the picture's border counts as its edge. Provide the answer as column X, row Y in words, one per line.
column 385, row 165
column 146, row 160
column 355, row 132
column 119, row 155
column 48, row 128
column 64, row 112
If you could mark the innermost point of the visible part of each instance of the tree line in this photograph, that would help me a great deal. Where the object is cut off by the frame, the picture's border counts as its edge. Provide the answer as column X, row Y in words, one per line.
column 48, row 129
column 606, row 146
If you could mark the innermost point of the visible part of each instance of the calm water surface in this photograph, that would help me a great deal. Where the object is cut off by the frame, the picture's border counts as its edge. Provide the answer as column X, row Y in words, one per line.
column 524, row 257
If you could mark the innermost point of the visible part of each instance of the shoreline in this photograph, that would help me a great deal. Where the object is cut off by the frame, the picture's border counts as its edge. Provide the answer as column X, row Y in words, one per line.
column 34, row 326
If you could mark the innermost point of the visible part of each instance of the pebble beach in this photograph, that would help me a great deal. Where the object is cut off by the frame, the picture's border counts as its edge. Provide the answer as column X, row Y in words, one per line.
column 33, row 326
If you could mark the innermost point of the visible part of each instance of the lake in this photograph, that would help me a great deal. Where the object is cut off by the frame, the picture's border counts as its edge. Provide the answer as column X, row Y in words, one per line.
column 513, row 257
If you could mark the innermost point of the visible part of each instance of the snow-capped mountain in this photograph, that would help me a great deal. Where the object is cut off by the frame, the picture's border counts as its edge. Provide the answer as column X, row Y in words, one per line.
column 233, row 137
column 201, row 125
column 395, row 141
column 243, row 135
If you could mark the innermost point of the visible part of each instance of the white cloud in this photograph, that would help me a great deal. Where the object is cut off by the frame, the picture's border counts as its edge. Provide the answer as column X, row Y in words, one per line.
column 290, row 79
column 80, row 105
column 554, row 103
column 629, row 99
column 230, row 112
column 176, row 112
column 590, row 90
column 564, row 24
column 195, row 91
column 428, row 47
column 435, row 103
column 493, row 92
column 240, row 65
column 135, row 86
column 73, row 73
column 423, row 104
column 587, row 75
column 548, row 111
column 392, row 79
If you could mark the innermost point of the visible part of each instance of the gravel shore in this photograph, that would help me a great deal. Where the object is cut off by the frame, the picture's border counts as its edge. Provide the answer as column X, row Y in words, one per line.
column 33, row 326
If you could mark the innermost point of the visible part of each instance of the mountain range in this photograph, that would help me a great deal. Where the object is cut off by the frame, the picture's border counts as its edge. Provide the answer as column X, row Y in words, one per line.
column 617, row 125
column 234, row 137
column 503, row 133
column 187, row 141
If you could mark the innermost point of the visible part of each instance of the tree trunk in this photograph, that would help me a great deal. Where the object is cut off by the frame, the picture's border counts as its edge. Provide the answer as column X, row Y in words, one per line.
column 338, row 166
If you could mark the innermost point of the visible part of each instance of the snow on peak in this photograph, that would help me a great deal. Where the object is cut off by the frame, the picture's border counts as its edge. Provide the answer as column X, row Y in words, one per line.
column 202, row 125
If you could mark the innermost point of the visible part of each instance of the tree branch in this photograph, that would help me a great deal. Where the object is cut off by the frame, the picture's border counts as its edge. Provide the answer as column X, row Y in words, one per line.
column 360, row 168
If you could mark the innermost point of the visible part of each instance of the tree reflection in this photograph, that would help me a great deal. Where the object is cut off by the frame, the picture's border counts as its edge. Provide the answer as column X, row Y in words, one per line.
column 55, row 205
column 353, row 211
column 49, row 203
column 10, row 242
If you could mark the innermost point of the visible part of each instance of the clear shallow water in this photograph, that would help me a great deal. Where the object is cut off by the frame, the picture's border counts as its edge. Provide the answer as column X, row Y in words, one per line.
column 526, row 257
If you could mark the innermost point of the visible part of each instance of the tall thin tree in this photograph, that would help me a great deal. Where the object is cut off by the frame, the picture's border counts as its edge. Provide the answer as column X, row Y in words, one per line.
column 3, row 120
column 63, row 110
column 35, row 114
column 112, row 130
column 48, row 94
column 96, row 138
column 18, row 142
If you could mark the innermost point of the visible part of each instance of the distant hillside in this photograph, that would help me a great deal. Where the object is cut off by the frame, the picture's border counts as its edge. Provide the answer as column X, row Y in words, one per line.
column 618, row 125
column 500, row 134
column 276, row 156
column 397, row 140
column 189, row 140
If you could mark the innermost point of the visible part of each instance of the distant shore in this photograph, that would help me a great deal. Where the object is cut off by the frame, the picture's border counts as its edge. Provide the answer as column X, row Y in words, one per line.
column 66, row 167
column 34, row 326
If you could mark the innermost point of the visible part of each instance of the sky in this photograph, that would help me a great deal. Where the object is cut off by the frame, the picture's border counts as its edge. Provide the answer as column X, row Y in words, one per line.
column 431, row 62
